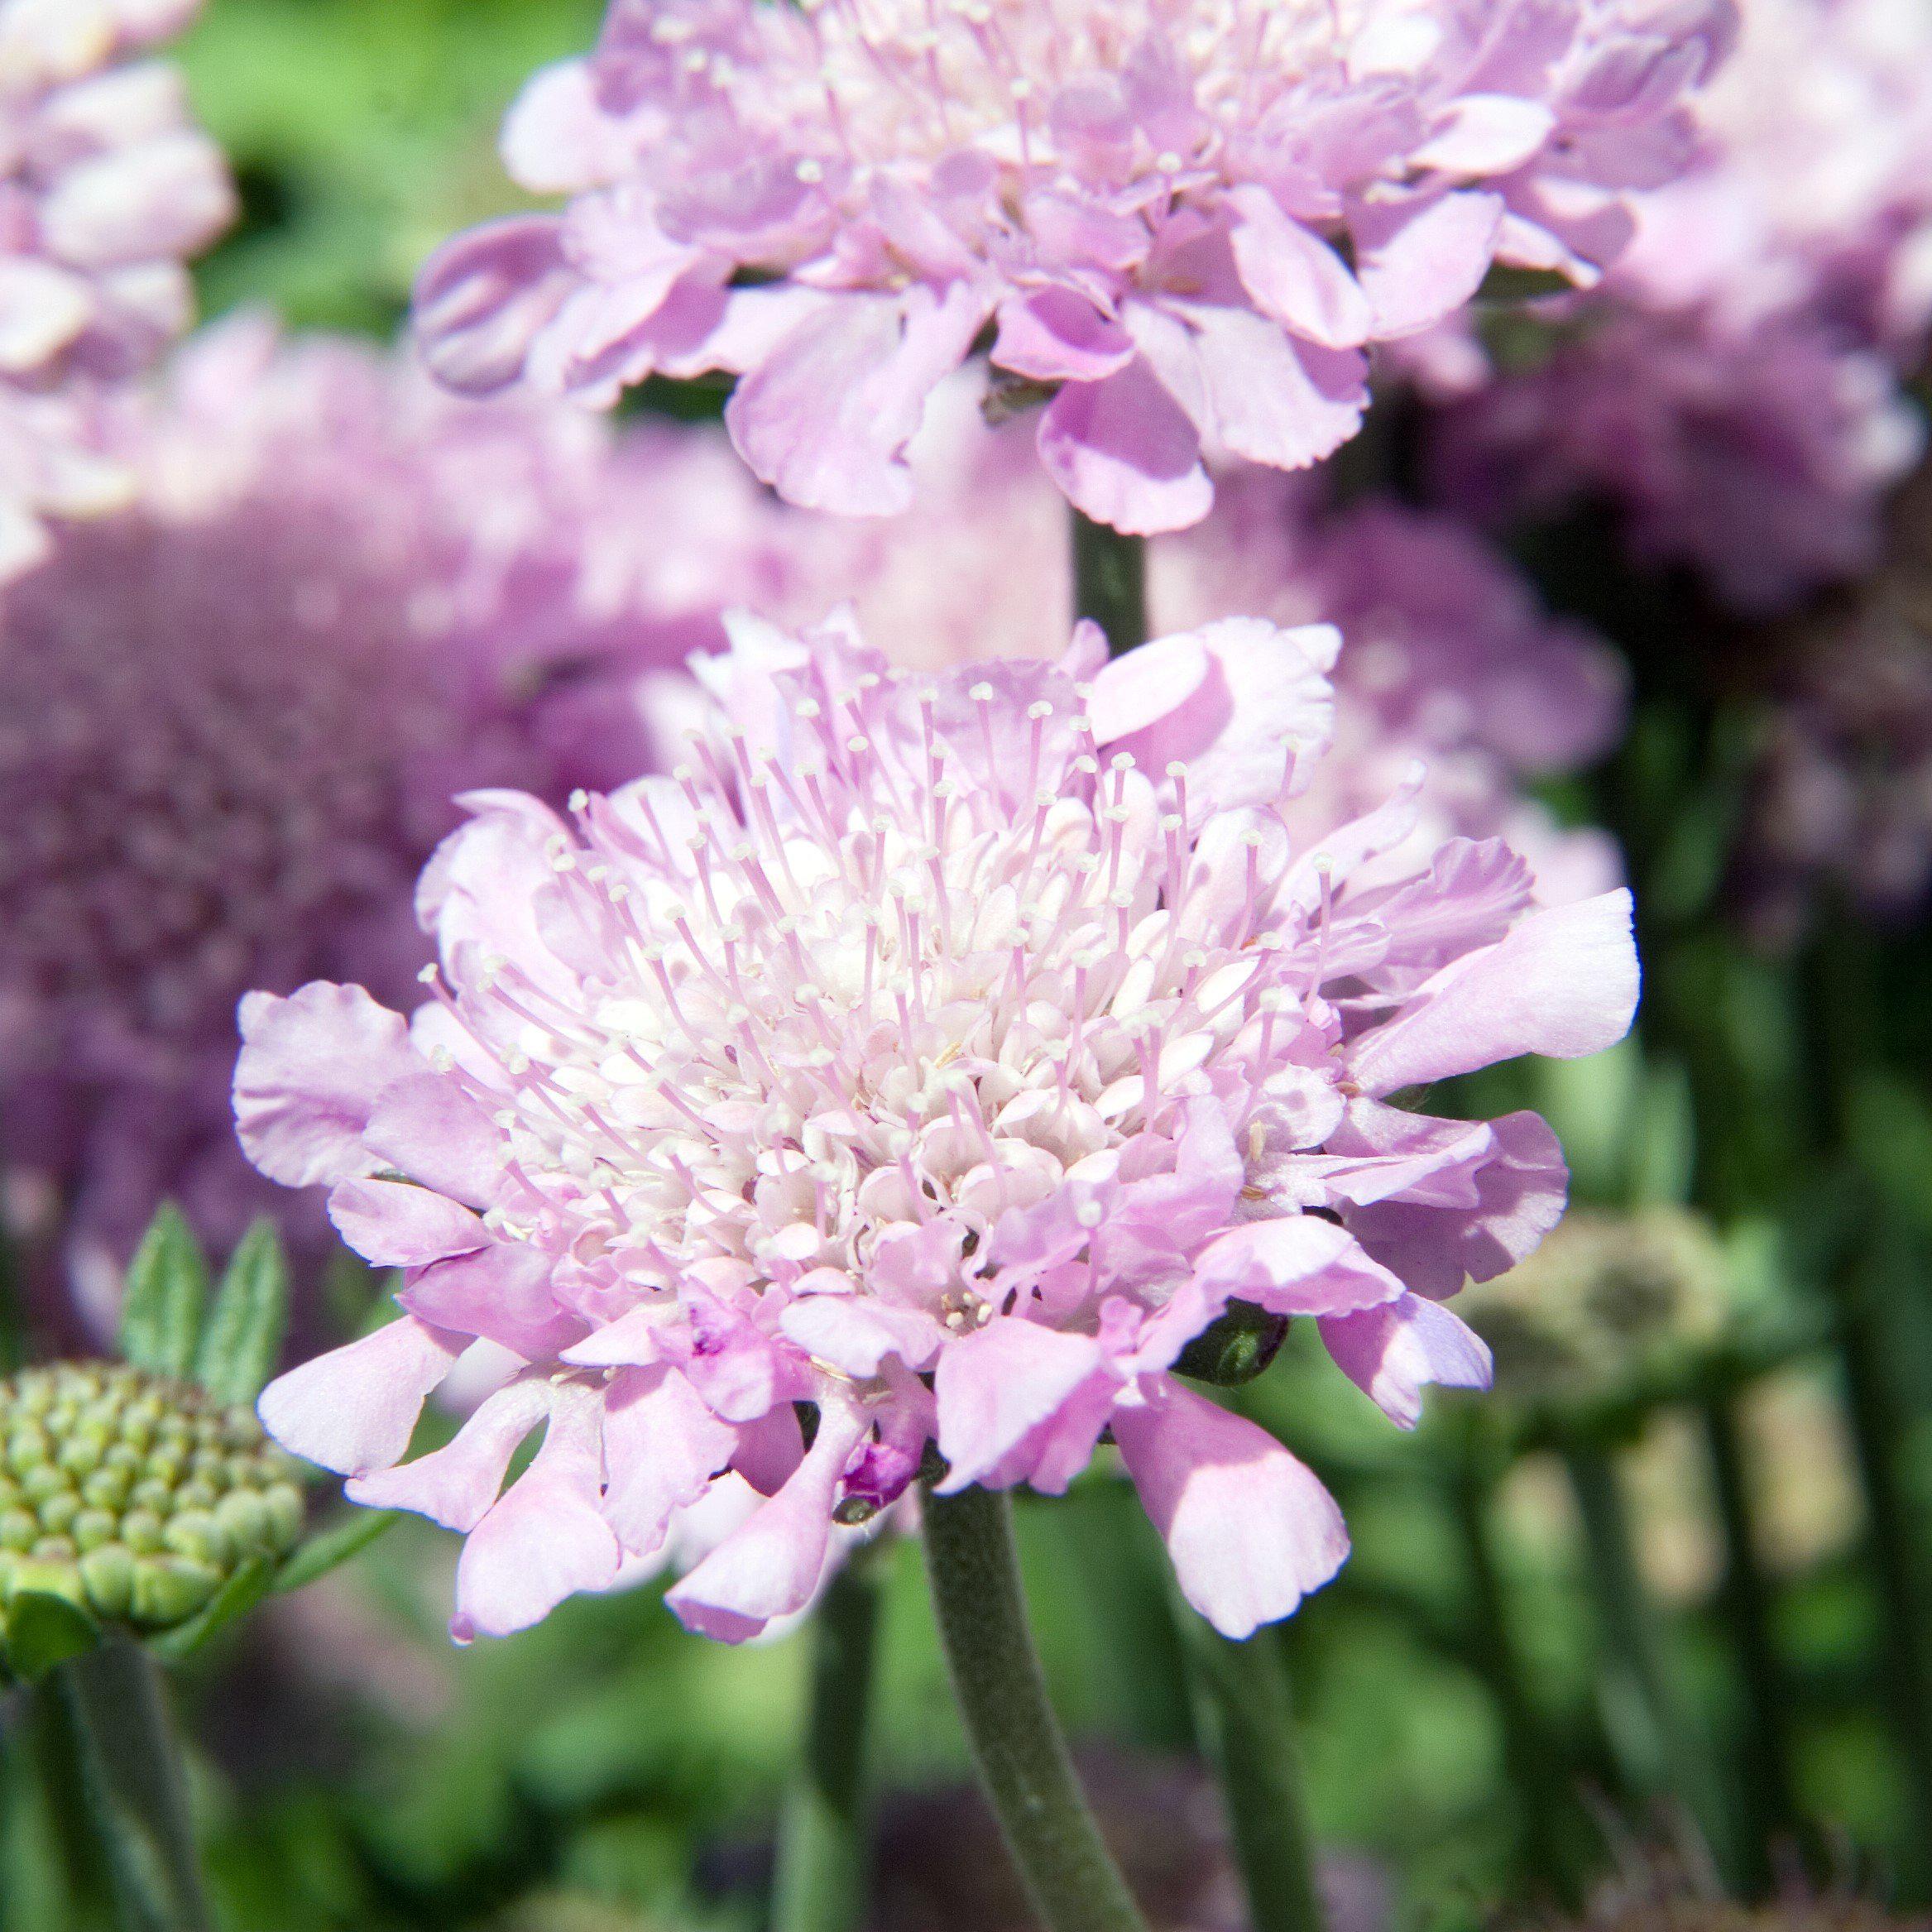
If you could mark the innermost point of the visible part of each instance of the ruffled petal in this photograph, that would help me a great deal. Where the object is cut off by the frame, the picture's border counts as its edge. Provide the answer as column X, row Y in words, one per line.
column 309, row 1072
column 1391, row 1353
column 546, row 1539
column 1563, row 982
column 1250, row 1530
column 456, row 1485
column 773, row 1564
column 355, row 1408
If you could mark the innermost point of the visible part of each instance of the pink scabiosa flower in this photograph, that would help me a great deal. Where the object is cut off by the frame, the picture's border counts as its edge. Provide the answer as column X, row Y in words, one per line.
column 942, row 1053
column 107, row 187
column 1737, row 385
column 236, row 712
column 1186, row 220
column 1448, row 659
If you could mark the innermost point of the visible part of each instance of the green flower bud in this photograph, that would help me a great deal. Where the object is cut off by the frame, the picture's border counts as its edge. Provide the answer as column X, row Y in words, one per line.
column 133, row 1494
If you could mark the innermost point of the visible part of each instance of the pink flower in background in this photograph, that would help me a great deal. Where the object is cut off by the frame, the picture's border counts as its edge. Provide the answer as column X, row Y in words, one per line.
column 107, row 187
column 1447, row 658
column 236, row 712
column 1184, row 220
column 942, row 1052
column 1737, row 386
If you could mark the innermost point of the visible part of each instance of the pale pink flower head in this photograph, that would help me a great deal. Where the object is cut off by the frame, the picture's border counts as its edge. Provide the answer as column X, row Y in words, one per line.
column 236, row 711
column 107, row 188
column 943, row 1053
column 1736, row 388
column 1184, row 220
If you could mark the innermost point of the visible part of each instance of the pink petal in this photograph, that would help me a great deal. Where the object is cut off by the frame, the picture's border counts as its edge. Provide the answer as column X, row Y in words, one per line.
column 1264, row 697
column 355, row 1408
column 997, row 1385
column 482, row 299
column 457, row 1485
column 826, row 420
column 1125, row 453
column 1298, row 1265
column 1390, row 1353
column 396, row 1226
column 545, row 1539
column 773, row 1565
column 1250, row 1530
column 1418, row 267
column 308, row 1076
column 856, row 1335
column 1056, row 335
column 1516, row 1195
column 1294, row 275
column 635, row 1339
column 501, row 1293
column 1563, row 982
column 429, row 1127
column 662, row 1446
column 1487, row 134
column 1274, row 401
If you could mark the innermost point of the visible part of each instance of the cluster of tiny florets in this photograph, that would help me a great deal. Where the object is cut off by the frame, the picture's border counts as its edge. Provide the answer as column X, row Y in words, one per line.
column 136, row 1493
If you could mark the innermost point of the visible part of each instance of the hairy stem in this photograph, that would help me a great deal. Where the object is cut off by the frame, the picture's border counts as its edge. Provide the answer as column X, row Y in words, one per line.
column 1022, row 1762
column 1109, row 581
column 823, row 1851
column 136, row 1792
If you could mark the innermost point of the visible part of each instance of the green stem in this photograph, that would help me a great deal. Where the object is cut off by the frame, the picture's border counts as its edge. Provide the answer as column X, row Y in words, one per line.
column 1646, row 1720
column 137, row 1793
column 823, row 1850
column 1022, row 1762
column 1245, row 1714
column 1109, row 581
column 1771, row 1815
column 1536, row 1779
column 1877, row 1425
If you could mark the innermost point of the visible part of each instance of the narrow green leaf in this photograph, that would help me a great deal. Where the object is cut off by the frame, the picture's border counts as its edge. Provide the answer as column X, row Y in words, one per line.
column 236, row 1598
column 167, row 1291
column 348, row 1536
column 44, row 1630
column 251, row 1312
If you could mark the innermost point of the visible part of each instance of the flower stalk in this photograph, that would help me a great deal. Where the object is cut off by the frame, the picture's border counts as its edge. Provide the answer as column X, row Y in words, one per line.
column 1244, row 1709
column 135, row 1788
column 824, row 1848
column 1015, row 1739
column 1649, row 1727
column 1109, row 581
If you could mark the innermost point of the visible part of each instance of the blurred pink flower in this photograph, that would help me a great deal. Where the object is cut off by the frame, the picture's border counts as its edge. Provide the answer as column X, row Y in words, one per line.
column 107, row 187
column 1737, row 386
column 236, row 713
column 1447, row 657
column 945, row 1053
column 1185, row 220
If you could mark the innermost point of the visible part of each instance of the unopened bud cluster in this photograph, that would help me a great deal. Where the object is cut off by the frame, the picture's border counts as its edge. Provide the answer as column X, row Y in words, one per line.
column 1608, row 1305
column 135, row 1494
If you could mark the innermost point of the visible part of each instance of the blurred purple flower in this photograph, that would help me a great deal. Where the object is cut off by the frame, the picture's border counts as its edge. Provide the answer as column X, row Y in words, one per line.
column 1186, row 220
column 1841, row 812
column 986, row 1026
column 237, row 712
column 1736, row 387
column 107, row 187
